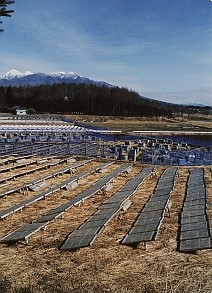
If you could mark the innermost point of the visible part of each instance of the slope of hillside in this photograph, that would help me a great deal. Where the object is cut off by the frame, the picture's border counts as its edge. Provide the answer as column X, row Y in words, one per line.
column 70, row 93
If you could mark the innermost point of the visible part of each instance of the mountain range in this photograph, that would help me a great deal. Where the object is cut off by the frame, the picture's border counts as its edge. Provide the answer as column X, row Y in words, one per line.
column 17, row 78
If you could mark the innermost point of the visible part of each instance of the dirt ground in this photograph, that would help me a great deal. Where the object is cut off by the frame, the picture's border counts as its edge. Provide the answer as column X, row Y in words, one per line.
column 107, row 265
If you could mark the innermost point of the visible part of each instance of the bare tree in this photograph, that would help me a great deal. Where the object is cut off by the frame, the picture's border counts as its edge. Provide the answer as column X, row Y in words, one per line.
column 4, row 11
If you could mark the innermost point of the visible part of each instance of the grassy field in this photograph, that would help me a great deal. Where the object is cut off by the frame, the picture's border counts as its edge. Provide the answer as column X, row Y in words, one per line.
column 196, row 122
column 107, row 265
column 128, row 124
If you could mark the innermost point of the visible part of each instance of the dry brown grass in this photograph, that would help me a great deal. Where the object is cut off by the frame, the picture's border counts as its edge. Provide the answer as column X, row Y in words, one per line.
column 128, row 124
column 107, row 265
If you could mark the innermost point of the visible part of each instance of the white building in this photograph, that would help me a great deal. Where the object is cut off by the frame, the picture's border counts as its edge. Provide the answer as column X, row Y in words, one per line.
column 21, row 112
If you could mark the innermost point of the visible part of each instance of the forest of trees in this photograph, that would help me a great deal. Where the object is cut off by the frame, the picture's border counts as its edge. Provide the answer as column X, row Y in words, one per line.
column 78, row 98
column 67, row 98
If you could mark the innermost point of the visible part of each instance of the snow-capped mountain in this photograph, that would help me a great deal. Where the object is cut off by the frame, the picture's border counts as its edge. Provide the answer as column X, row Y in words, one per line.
column 17, row 78
column 13, row 74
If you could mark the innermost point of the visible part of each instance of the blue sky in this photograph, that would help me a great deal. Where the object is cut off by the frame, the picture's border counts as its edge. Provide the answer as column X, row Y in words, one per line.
column 159, row 48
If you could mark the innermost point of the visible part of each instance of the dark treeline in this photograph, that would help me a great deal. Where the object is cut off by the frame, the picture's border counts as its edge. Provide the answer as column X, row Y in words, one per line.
column 79, row 98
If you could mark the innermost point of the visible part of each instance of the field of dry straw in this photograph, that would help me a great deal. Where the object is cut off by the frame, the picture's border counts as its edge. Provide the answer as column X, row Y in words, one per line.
column 107, row 265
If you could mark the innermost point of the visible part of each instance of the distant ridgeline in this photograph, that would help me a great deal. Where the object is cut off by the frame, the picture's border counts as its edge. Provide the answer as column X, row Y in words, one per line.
column 85, row 99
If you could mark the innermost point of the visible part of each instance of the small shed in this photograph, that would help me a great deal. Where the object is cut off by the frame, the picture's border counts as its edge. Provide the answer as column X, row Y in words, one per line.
column 21, row 111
